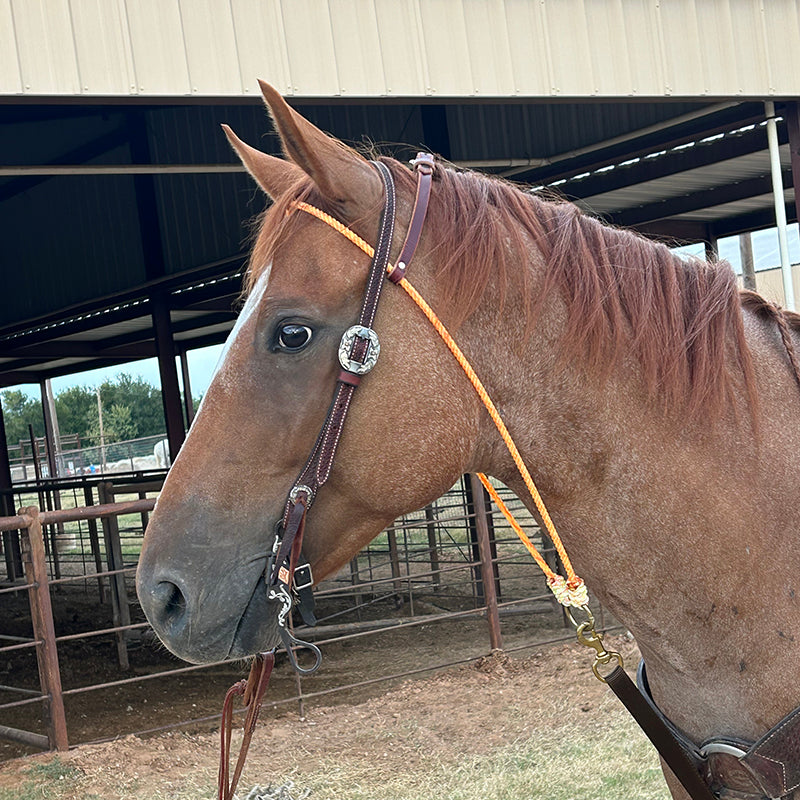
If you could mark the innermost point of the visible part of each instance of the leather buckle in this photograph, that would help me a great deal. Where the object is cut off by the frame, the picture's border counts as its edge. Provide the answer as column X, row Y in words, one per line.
column 303, row 577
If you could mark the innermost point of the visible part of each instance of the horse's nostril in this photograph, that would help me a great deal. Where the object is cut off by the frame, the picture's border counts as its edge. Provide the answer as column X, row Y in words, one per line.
column 170, row 603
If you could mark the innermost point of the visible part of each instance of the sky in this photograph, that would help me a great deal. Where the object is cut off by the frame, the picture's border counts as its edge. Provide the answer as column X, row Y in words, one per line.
column 203, row 361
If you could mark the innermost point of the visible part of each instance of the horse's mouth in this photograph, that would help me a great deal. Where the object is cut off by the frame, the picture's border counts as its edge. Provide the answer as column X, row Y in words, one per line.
column 257, row 629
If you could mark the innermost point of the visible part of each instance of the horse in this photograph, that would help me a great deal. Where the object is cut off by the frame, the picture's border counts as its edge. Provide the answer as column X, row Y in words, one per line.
column 655, row 404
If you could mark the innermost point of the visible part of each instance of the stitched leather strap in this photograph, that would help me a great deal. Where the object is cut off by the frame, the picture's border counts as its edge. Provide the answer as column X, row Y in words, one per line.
column 659, row 734
column 318, row 466
column 774, row 760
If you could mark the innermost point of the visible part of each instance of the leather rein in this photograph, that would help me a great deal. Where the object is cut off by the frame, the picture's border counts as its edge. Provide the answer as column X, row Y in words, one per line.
column 720, row 768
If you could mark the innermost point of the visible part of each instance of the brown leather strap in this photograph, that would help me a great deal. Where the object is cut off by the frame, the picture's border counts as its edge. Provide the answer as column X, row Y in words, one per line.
column 318, row 467
column 659, row 734
column 252, row 690
column 774, row 760
column 424, row 165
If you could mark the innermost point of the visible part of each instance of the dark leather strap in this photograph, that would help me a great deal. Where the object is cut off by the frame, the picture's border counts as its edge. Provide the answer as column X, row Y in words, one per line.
column 318, row 467
column 774, row 760
column 659, row 734
column 764, row 770
column 252, row 691
column 424, row 165
column 286, row 555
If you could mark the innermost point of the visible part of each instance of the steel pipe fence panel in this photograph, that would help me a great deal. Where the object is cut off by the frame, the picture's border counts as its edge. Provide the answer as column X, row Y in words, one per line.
column 427, row 569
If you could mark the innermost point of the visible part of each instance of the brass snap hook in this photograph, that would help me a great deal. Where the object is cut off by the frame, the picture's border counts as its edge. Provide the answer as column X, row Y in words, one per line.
column 589, row 637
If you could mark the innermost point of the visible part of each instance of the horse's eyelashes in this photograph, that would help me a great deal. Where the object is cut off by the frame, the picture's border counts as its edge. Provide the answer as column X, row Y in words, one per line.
column 293, row 337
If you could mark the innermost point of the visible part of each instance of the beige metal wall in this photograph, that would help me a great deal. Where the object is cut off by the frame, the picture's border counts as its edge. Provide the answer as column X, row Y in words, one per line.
column 769, row 282
column 401, row 48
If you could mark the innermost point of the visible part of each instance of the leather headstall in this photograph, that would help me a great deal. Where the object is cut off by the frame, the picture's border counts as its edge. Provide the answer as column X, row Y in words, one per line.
column 288, row 574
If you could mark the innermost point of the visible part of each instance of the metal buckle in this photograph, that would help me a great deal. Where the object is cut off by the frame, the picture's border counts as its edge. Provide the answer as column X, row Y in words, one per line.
column 346, row 345
column 297, row 489
column 306, row 577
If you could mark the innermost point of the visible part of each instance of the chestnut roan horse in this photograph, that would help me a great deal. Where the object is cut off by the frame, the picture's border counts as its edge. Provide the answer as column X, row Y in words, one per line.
column 656, row 406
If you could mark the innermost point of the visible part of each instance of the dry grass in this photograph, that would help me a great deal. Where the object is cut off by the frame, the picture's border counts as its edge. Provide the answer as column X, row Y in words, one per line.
column 527, row 729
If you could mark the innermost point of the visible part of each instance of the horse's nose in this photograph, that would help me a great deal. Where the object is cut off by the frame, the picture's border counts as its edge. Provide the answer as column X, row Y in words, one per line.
column 168, row 606
column 164, row 601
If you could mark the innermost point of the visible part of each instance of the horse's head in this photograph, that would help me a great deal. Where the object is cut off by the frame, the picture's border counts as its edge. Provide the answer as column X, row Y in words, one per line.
column 410, row 432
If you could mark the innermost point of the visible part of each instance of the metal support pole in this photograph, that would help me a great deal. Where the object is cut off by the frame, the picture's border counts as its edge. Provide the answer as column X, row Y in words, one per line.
column 433, row 548
column 487, row 565
column 711, row 246
column 188, row 403
column 94, row 542
column 11, row 548
column 791, row 112
column 780, row 205
column 394, row 557
column 170, row 388
column 44, row 630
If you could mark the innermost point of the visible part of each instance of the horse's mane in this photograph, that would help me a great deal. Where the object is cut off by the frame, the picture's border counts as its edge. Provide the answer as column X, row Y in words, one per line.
column 681, row 317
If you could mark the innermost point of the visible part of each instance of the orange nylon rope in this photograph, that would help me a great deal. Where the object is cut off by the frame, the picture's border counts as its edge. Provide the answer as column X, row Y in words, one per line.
column 570, row 591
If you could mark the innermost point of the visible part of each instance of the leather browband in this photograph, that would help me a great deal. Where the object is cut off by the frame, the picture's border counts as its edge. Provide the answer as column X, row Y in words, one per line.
column 424, row 165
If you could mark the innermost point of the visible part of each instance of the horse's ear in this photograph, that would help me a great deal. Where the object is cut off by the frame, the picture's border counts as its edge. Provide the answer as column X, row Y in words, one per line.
column 274, row 175
column 343, row 177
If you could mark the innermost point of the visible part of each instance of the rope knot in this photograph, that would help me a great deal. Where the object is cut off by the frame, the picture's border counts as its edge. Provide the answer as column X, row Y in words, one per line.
column 569, row 593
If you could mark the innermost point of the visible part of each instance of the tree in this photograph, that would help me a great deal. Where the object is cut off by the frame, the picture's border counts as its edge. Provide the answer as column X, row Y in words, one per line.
column 118, row 424
column 19, row 411
column 73, row 408
column 141, row 397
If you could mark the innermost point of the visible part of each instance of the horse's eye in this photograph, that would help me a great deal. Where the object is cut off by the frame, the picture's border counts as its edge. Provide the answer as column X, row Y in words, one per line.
column 292, row 337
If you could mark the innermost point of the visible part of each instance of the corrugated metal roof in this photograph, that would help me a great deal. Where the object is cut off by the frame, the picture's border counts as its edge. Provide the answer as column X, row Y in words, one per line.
column 722, row 173
column 401, row 48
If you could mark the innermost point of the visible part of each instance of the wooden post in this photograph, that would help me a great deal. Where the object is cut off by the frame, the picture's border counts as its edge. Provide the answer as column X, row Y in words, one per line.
column 44, row 630
column 487, row 567
column 119, row 594
column 94, row 542
column 748, row 265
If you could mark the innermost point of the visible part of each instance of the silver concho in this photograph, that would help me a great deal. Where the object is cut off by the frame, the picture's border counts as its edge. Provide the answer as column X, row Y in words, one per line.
column 373, row 351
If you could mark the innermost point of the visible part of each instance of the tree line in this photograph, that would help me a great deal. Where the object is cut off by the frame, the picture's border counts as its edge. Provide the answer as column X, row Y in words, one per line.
column 131, row 408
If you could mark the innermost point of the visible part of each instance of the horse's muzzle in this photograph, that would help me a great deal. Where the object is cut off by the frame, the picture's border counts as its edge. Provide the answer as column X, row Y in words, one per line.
column 224, row 616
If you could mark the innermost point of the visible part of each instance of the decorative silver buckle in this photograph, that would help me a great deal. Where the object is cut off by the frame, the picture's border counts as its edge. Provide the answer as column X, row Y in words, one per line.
column 346, row 345
column 298, row 489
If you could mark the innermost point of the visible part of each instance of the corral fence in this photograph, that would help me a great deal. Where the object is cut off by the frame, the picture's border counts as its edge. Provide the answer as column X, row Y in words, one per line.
column 70, row 573
column 32, row 461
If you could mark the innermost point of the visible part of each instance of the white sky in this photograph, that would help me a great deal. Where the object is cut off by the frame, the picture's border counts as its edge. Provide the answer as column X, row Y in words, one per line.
column 203, row 361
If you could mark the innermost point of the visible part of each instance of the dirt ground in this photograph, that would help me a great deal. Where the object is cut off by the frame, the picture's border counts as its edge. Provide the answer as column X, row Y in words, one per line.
column 470, row 709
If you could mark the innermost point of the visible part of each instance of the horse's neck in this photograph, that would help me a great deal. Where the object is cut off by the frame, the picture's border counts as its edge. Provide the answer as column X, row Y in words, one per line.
column 676, row 527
